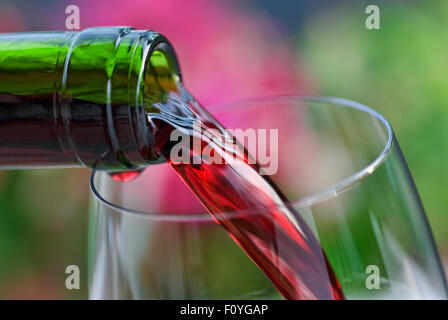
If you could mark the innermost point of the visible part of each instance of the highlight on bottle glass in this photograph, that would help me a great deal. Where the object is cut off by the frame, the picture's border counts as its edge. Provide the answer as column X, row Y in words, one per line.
column 342, row 170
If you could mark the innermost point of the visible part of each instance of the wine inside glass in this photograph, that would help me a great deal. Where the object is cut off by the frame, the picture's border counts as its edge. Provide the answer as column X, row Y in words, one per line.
column 339, row 164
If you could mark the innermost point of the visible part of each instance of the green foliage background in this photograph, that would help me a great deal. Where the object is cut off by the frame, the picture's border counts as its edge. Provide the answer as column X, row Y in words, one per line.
column 401, row 71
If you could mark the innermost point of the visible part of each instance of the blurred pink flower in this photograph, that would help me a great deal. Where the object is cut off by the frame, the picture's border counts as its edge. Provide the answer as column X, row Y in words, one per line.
column 11, row 19
column 225, row 53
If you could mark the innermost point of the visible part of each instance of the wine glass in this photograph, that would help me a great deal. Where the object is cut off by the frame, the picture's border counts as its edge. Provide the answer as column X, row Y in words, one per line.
column 340, row 166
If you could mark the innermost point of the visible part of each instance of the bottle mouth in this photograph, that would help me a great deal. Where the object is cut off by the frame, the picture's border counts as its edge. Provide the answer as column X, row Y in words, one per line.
column 159, row 75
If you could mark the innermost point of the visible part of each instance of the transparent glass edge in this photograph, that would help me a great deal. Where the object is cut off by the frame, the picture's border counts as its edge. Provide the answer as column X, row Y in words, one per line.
column 325, row 194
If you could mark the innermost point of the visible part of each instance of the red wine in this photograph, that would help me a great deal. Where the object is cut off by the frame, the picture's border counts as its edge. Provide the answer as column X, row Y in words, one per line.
column 249, row 206
column 125, row 176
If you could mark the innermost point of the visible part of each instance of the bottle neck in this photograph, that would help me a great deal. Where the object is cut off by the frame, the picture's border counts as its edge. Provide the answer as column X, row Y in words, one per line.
column 80, row 97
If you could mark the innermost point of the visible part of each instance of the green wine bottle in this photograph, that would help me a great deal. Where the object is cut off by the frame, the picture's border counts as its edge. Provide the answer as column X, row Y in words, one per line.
column 80, row 98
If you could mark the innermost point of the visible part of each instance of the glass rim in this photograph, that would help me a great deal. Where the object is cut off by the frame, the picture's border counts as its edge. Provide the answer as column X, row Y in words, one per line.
column 306, row 201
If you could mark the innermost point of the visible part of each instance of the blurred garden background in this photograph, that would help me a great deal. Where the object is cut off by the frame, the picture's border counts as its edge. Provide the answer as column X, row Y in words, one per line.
column 230, row 50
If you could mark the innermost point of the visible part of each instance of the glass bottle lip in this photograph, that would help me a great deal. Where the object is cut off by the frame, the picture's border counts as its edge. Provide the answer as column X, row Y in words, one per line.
column 151, row 42
column 306, row 201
